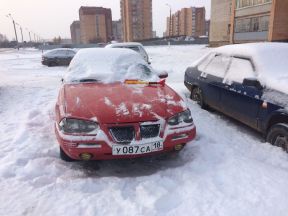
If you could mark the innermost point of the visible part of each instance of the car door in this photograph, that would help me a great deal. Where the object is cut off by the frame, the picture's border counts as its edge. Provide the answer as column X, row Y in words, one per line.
column 240, row 101
column 60, row 57
column 213, row 70
column 69, row 56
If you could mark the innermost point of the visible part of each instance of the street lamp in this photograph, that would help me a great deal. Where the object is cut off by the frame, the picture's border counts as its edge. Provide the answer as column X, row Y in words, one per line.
column 29, row 34
column 170, row 20
column 10, row 16
column 21, row 31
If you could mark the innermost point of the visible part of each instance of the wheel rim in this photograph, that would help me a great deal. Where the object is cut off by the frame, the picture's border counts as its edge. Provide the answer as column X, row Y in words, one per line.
column 282, row 141
column 196, row 95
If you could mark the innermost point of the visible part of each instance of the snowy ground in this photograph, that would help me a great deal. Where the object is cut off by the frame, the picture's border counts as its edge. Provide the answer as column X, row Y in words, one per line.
column 226, row 171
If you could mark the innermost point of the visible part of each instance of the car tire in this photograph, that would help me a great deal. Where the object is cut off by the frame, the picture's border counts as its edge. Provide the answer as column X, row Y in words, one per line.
column 278, row 136
column 64, row 156
column 51, row 64
column 197, row 95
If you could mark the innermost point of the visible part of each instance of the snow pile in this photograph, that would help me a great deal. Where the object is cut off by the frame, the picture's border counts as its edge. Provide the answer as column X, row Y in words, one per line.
column 109, row 65
column 270, row 60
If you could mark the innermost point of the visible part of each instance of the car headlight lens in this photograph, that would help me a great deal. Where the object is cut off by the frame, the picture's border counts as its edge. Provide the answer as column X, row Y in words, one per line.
column 183, row 117
column 69, row 125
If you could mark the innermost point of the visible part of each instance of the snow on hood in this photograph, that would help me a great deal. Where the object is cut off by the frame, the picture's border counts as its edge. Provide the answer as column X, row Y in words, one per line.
column 270, row 59
column 117, row 102
column 109, row 65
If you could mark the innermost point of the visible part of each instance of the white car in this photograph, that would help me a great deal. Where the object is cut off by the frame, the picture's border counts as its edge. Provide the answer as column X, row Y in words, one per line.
column 138, row 47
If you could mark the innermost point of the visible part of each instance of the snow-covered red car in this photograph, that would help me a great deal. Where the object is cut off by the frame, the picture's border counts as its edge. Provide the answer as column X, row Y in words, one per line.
column 113, row 105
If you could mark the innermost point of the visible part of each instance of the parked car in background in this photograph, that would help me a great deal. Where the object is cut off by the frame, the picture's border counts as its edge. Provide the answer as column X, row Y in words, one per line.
column 138, row 47
column 58, row 57
column 113, row 105
column 247, row 82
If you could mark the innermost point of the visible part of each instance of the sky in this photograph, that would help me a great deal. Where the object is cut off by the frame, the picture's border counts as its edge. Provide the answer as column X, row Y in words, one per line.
column 51, row 18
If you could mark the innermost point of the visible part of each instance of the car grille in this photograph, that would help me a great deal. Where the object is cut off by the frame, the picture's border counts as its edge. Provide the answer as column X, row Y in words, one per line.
column 149, row 131
column 123, row 135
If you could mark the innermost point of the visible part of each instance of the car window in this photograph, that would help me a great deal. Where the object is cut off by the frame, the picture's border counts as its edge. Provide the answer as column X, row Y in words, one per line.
column 70, row 53
column 142, row 50
column 239, row 69
column 61, row 53
column 215, row 65
column 52, row 53
column 135, row 48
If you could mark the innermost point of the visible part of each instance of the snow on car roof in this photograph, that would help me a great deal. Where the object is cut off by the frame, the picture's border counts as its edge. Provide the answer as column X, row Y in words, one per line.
column 270, row 60
column 109, row 65
column 112, row 45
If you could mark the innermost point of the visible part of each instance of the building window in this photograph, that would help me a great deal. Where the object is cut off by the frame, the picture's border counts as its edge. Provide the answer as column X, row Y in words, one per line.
column 249, row 3
column 254, row 24
column 97, row 26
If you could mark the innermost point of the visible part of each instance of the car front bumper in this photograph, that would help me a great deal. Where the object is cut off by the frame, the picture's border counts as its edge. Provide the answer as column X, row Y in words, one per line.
column 102, row 150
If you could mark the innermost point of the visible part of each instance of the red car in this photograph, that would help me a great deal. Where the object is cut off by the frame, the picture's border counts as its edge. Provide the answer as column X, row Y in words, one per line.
column 113, row 105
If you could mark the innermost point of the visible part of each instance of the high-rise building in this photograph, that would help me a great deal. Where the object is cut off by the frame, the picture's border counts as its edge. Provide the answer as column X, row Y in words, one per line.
column 248, row 21
column 136, row 16
column 220, row 22
column 187, row 22
column 75, row 32
column 117, row 30
column 95, row 24
column 207, row 27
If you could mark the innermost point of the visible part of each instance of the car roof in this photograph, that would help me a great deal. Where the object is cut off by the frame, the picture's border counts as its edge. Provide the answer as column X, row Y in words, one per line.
column 58, row 49
column 62, row 49
column 123, row 44
column 251, row 49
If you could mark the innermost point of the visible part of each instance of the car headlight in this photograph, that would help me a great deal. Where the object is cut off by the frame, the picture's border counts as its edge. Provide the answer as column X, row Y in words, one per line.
column 183, row 117
column 69, row 125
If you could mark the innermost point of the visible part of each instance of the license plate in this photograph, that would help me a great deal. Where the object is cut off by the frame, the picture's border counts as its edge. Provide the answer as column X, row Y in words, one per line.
column 137, row 149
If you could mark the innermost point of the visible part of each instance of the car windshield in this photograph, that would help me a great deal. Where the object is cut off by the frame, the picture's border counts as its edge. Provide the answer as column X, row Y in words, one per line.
column 108, row 66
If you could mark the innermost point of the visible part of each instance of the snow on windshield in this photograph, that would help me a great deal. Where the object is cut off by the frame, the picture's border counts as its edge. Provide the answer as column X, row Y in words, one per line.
column 108, row 66
column 270, row 59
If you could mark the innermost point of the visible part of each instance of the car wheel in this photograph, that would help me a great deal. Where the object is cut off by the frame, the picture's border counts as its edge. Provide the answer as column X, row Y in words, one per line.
column 51, row 64
column 196, row 95
column 278, row 136
column 64, row 156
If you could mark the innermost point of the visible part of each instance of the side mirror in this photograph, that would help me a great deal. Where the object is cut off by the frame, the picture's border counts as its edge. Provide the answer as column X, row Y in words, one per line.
column 163, row 75
column 252, row 82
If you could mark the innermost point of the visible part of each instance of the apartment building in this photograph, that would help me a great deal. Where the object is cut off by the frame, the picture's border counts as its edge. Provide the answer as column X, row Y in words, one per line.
column 136, row 16
column 220, row 22
column 207, row 27
column 75, row 32
column 117, row 30
column 187, row 22
column 95, row 25
column 250, row 21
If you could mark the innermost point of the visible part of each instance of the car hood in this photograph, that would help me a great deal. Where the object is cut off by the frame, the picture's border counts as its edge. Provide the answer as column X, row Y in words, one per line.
column 121, row 103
